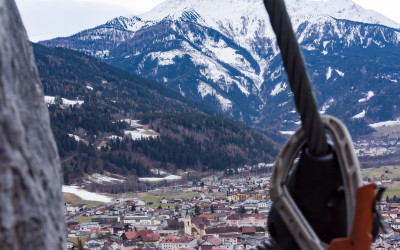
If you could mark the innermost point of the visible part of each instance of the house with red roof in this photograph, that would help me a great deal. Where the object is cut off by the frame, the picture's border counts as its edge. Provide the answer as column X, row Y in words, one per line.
column 141, row 237
column 211, row 243
column 216, row 231
column 207, row 216
column 242, row 220
column 249, row 230
column 74, row 228
column 178, row 243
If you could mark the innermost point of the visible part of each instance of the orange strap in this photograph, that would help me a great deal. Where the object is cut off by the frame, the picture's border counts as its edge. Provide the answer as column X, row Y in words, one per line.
column 360, row 238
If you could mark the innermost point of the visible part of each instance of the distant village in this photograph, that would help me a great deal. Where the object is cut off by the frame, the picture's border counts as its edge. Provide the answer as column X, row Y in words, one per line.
column 227, row 213
column 377, row 147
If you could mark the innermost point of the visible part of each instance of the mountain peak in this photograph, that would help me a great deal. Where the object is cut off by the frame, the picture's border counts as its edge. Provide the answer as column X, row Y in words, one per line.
column 211, row 11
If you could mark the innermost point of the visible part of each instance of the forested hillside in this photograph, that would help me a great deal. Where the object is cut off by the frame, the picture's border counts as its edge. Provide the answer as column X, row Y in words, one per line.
column 92, row 137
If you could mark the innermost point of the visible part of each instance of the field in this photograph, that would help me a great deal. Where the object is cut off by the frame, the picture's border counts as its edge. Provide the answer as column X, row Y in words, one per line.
column 83, row 219
column 391, row 132
column 75, row 240
column 157, row 197
column 385, row 173
column 74, row 199
column 393, row 189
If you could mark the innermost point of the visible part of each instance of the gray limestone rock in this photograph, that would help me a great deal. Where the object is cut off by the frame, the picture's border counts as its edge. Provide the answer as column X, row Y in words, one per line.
column 31, row 206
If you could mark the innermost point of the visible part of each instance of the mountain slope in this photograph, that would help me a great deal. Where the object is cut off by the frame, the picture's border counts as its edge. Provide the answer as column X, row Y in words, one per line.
column 224, row 54
column 106, row 119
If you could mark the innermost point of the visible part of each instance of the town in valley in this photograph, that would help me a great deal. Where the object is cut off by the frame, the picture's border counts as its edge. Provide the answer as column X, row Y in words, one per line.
column 223, row 210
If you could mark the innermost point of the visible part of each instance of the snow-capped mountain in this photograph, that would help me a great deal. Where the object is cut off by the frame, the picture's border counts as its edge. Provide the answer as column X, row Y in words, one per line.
column 224, row 54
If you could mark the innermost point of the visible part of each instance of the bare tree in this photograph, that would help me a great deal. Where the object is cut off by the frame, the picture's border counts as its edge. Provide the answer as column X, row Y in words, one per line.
column 31, row 209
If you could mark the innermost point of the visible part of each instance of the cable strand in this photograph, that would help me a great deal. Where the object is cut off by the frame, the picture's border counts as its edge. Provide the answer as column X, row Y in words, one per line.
column 299, row 79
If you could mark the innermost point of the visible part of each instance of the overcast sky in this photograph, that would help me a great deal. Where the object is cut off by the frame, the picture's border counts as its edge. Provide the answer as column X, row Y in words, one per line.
column 46, row 19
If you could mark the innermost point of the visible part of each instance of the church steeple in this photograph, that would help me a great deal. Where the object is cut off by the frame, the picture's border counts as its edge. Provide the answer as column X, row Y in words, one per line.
column 187, row 223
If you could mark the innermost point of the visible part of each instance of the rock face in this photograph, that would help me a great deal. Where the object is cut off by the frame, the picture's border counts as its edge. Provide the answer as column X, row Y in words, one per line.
column 31, row 210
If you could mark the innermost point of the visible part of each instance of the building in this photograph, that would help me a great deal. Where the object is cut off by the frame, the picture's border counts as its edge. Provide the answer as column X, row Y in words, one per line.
column 179, row 243
column 105, row 219
column 145, row 236
column 242, row 220
column 194, row 226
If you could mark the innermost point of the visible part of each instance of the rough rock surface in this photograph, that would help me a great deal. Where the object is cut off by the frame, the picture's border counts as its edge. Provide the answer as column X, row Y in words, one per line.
column 31, row 209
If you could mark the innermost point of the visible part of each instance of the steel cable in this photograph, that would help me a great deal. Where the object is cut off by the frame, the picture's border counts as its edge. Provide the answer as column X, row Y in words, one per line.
column 299, row 79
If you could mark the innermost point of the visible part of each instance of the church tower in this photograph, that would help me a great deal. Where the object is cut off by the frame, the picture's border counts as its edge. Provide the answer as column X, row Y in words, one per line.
column 188, row 224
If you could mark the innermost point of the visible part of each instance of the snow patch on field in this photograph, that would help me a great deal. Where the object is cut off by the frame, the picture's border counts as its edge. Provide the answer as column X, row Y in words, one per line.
column 385, row 124
column 85, row 195
column 133, row 123
column 137, row 132
column 370, row 94
column 51, row 100
column 99, row 178
column 155, row 179
column 140, row 134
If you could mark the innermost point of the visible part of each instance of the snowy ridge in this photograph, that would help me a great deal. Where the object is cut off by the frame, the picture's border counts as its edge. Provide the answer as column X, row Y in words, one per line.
column 299, row 10
column 247, row 21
